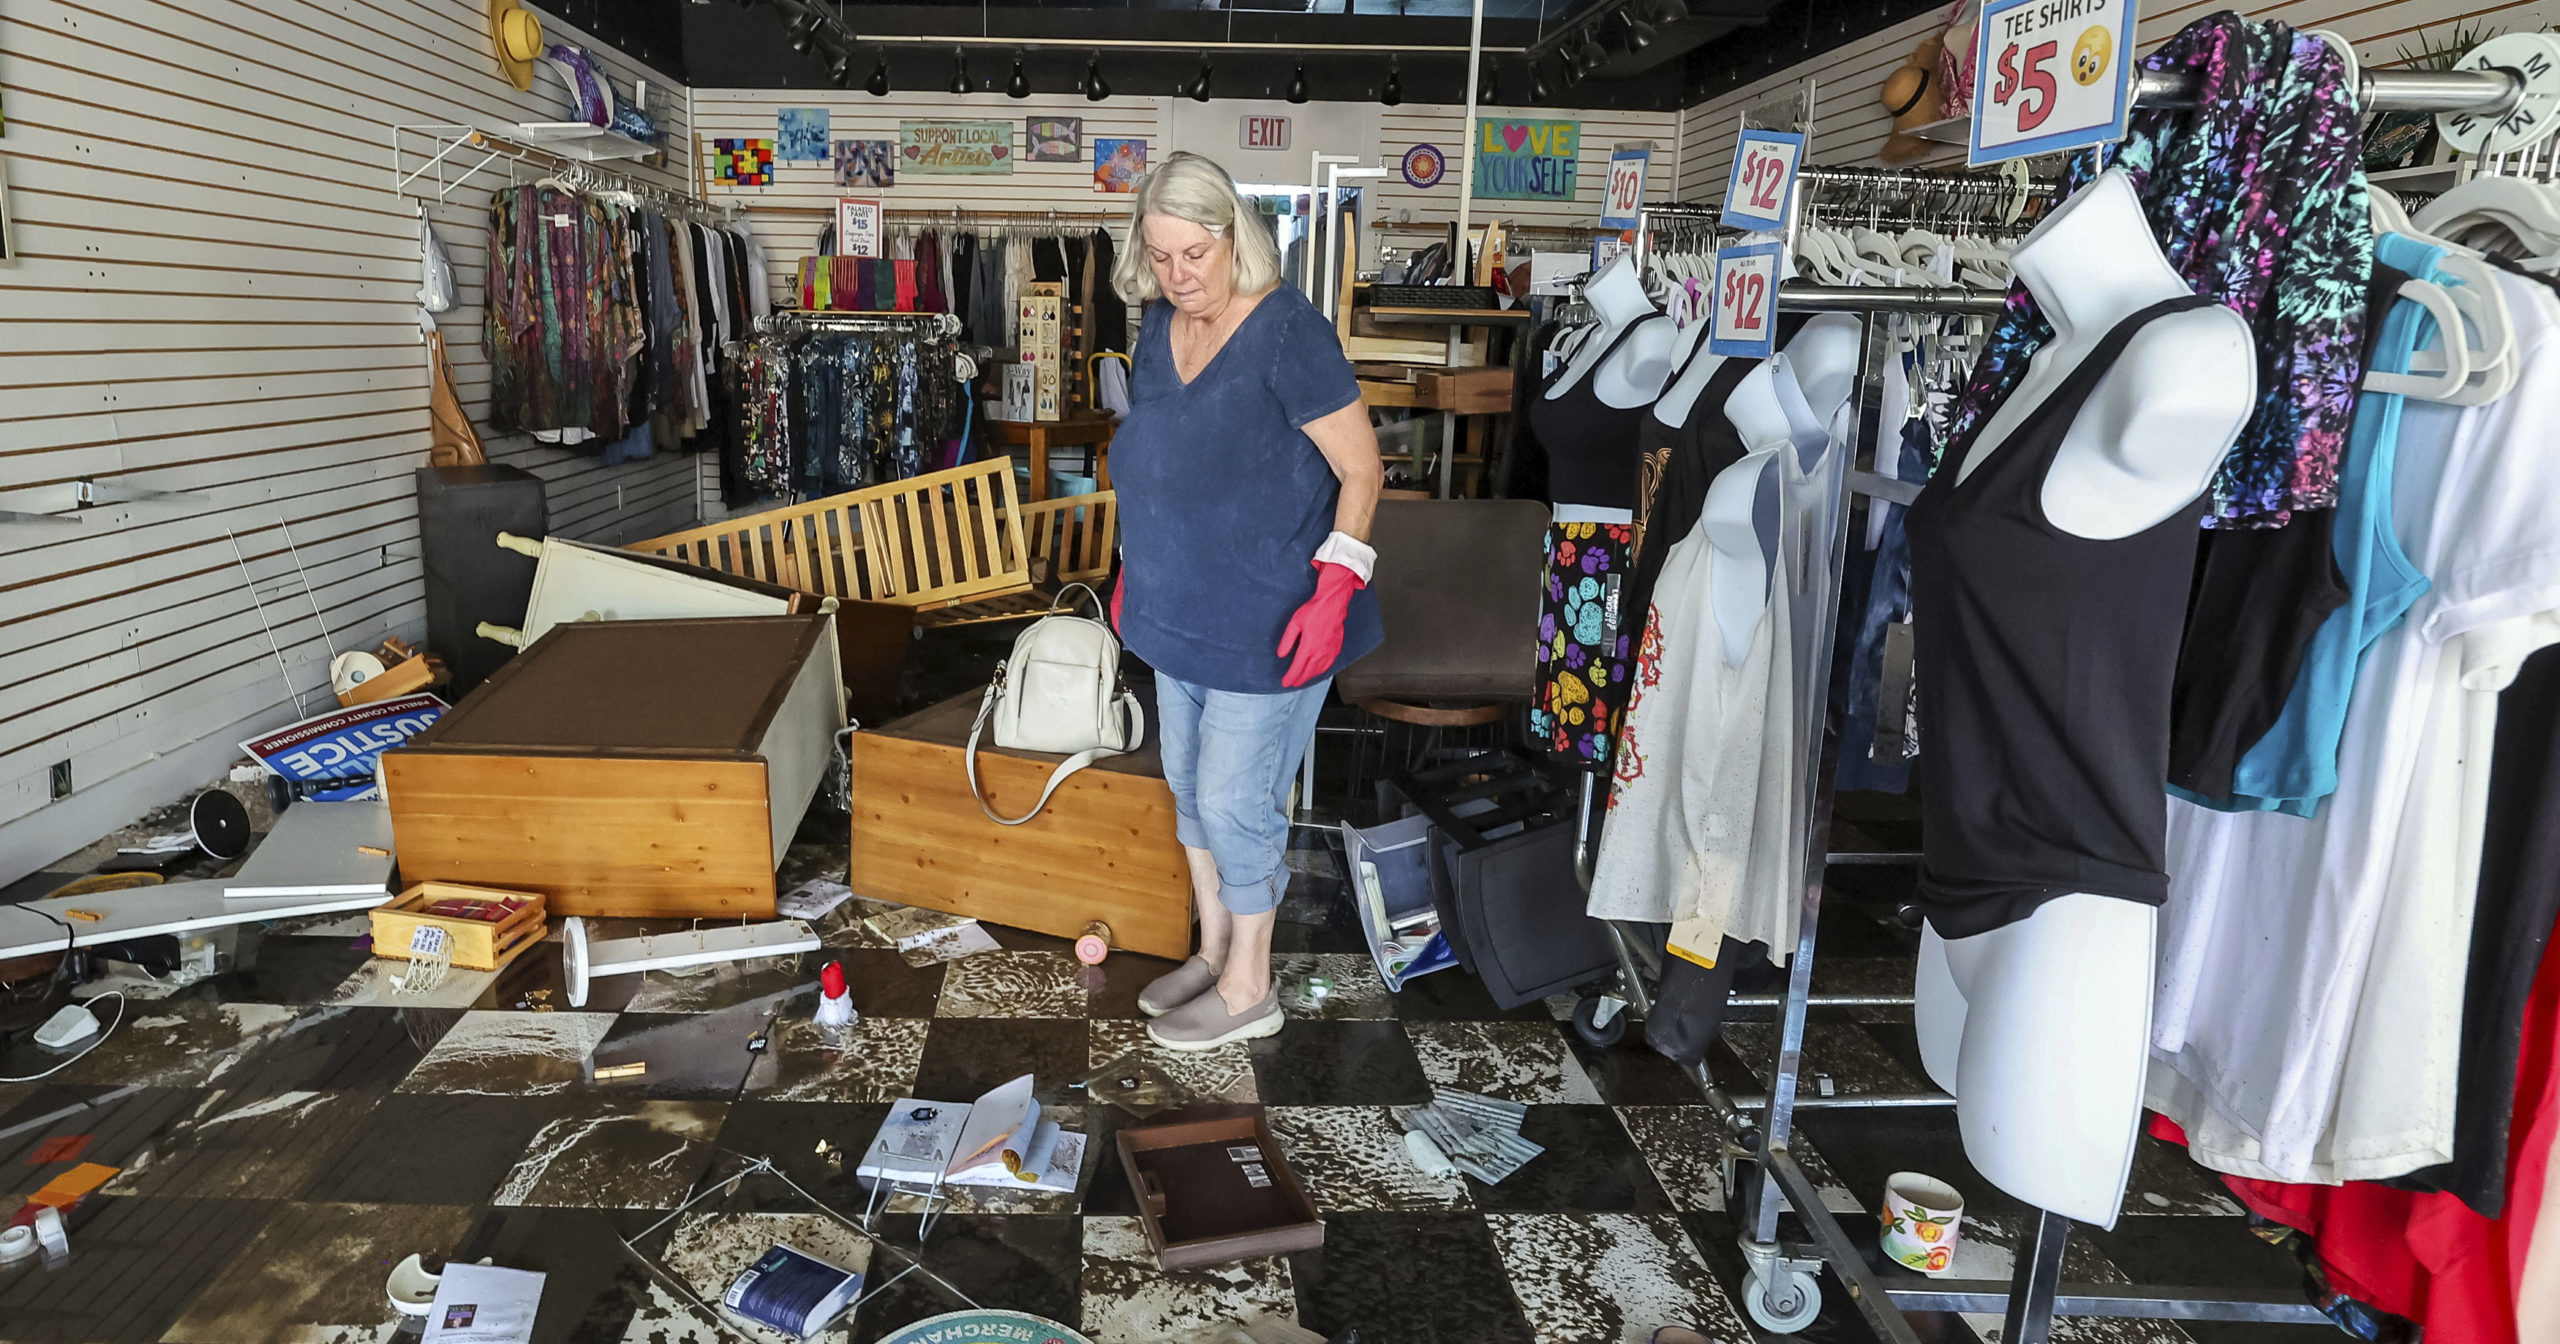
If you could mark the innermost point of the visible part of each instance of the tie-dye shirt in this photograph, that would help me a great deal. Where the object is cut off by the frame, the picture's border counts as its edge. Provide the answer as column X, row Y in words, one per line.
column 2258, row 198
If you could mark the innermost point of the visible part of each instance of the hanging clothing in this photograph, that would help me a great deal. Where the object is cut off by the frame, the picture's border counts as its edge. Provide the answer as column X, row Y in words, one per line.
column 2044, row 662
column 451, row 441
column 2303, row 1022
column 1110, row 311
column 1866, row 714
column 1591, row 444
column 2258, row 198
column 2294, row 764
column 1582, row 646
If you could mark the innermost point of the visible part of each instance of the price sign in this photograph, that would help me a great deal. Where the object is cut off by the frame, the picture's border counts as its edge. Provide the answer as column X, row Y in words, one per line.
column 1746, row 302
column 1621, row 204
column 1764, row 181
column 2050, row 75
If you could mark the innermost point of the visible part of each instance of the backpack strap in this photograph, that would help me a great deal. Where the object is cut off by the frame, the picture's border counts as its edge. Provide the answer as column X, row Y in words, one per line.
column 1133, row 718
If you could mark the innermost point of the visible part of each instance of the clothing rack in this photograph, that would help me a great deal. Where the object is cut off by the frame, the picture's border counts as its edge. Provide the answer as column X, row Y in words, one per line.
column 800, row 319
column 449, row 143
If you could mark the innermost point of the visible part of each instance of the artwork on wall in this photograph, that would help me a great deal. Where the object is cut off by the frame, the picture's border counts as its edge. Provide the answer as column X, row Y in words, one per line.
column 800, row 134
column 1424, row 166
column 1526, row 160
column 1118, row 164
column 8, row 240
column 956, row 146
column 866, row 163
column 1053, row 139
column 742, row 163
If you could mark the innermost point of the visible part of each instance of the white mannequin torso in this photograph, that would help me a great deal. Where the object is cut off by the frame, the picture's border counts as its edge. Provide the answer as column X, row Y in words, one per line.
column 1635, row 372
column 2041, row 1028
column 1679, row 399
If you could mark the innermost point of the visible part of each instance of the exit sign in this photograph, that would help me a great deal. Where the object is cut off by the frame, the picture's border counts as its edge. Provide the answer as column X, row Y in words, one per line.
column 1265, row 132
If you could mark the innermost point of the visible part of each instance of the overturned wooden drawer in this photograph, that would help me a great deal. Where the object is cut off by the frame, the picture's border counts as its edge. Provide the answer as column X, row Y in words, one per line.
column 627, row 767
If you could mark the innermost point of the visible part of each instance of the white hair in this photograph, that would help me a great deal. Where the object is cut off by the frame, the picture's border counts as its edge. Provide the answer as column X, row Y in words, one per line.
column 1194, row 188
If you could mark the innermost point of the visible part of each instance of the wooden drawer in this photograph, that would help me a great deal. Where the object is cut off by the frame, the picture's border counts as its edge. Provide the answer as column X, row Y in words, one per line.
column 1103, row 849
column 478, row 944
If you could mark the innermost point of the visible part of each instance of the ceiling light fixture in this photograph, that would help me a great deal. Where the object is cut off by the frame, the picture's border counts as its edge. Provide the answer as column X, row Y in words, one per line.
column 1538, row 90
column 1298, row 83
column 1200, row 86
column 804, row 30
column 1392, row 92
column 1594, row 55
column 1091, row 86
column 1670, row 11
column 1640, row 34
column 959, row 72
column 878, row 85
column 1572, row 69
column 1489, row 87
column 1020, row 85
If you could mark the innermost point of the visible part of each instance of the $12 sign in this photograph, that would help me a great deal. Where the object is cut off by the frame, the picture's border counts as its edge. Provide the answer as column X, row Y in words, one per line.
column 1746, row 299
column 1763, row 182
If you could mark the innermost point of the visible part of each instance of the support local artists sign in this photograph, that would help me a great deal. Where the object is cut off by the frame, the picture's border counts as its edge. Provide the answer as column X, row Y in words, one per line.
column 1526, row 160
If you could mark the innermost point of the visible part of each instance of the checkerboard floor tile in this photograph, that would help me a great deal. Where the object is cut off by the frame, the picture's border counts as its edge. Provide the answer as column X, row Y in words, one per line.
column 284, row 1133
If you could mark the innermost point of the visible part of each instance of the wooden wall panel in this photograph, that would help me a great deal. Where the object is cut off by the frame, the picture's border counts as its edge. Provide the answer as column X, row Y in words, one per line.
column 215, row 292
column 1850, row 125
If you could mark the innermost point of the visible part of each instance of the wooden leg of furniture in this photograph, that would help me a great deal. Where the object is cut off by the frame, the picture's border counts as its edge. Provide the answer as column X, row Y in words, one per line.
column 1039, row 463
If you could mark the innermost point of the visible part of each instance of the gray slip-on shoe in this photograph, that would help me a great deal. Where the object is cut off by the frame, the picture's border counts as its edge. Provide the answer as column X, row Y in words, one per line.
column 1205, row 1024
column 1177, row 987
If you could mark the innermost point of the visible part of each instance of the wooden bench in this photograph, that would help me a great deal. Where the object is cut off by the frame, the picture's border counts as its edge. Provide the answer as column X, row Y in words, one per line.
column 957, row 546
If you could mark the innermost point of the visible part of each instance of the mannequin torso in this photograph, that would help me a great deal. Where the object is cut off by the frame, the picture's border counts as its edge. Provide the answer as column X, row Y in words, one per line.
column 2040, row 1027
column 1633, row 373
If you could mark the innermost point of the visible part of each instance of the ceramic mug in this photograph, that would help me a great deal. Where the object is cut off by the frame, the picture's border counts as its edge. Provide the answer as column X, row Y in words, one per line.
column 1921, row 1218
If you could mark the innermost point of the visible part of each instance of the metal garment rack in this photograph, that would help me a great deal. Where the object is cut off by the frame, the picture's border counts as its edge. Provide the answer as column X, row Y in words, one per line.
column 804, row 319
column 1781, row 1281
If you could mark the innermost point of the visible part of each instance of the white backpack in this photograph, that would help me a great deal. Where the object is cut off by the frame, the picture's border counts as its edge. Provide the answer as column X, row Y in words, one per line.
column 1060, row 691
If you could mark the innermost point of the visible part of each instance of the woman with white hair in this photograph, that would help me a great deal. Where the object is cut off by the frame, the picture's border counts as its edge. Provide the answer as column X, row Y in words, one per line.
column 1247, row 474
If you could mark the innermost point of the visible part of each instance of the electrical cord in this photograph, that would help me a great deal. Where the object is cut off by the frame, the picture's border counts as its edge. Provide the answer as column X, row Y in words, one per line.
column 93, row 1045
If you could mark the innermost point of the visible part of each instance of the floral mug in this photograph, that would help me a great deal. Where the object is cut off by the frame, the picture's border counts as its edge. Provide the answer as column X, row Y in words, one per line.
column 1921, row 1218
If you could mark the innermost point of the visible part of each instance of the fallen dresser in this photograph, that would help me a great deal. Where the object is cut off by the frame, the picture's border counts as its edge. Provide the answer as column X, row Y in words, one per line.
column 1103, row 849
column 627, row 767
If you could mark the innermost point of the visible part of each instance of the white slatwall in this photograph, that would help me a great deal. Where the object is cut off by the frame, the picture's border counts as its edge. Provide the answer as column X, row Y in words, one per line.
column 216, row 293
column 1850, row 124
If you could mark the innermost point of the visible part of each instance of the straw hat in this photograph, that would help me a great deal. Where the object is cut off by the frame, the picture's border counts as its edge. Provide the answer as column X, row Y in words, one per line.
column 516, row 33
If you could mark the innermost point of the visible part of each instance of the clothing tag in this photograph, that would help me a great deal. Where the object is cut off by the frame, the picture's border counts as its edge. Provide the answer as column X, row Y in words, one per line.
column 1893, row 690
column 559, row 221
column 1942, row 263
column 1609, row 615
column 1244, row 1154
column 1258, row 1178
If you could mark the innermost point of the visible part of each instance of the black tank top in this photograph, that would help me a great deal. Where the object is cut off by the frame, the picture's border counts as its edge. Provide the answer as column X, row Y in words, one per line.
column 2044, row 662
column 1591, row 445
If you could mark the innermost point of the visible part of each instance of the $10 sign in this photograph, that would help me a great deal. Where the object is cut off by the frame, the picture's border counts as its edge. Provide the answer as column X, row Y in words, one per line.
column 1746, row 298
column 1764, row 179
column 2055, row 75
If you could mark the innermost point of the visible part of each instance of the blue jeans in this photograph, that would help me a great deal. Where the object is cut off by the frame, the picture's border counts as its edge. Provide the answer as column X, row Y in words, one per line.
column 1229, row 757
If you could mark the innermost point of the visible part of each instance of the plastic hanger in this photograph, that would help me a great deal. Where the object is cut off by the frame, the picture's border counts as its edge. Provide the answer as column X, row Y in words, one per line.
column 2442, row 384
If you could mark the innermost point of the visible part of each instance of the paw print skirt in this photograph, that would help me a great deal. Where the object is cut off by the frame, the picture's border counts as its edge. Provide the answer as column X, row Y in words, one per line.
column 1583, row 649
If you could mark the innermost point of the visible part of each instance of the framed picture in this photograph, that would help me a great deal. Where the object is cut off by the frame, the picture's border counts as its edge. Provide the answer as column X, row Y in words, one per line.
column 1118, row 164
column 857, row 228
column 800, row 134
column 1053, row 139
column 867, row 164
column 8, row 236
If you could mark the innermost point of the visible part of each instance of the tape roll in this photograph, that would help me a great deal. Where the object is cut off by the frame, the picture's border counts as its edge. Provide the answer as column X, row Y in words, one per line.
column 49, row 1231
column 350, row 670
column 17, row 1244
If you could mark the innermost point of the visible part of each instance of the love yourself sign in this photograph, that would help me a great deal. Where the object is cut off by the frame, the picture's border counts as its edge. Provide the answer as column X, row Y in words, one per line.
column 1526, row 160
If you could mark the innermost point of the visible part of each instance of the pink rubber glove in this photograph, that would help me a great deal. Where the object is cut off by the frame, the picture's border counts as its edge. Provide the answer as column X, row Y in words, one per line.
column 1315, row 629
column 1118, row 585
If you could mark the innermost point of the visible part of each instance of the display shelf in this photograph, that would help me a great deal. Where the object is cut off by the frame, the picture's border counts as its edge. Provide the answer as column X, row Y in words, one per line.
column 581, row 140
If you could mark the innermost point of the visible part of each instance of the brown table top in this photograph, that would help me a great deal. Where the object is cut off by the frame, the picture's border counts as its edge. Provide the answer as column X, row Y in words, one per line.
column 1073, row 430
column 947, row 725
column 709, row 686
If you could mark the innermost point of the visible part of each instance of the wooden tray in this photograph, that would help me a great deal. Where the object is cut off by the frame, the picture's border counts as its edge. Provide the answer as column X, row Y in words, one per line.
column 1196, row 1203
column 478, row 945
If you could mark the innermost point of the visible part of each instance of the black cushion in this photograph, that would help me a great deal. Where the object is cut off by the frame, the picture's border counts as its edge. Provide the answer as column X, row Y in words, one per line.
column 1457, row 584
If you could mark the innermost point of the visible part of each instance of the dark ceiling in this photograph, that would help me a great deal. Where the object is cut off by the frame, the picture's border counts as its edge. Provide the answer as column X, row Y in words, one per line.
column 1720, row 45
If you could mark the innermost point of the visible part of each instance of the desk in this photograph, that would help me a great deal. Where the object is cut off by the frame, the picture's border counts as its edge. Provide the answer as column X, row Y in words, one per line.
column 1039, row 435
column 1450, row 393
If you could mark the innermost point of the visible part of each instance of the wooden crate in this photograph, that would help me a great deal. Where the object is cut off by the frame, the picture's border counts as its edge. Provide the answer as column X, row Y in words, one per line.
column 956, row 546
column 627, row 767
column 1103, row 849
column 478, row 944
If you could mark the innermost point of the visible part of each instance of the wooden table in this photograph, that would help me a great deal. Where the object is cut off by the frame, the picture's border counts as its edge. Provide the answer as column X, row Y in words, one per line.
column 1074, row 432
column 1449, row 392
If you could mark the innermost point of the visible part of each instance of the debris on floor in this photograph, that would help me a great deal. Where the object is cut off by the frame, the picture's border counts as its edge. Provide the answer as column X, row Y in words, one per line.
column 930, row 937
column 1478, row 1135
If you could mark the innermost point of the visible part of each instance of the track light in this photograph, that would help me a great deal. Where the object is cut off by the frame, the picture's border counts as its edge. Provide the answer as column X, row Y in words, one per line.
column 804, row 30
column 1594, row 55
column 959, row 71
column 1020, row 85
column 1538, row 90
column 1298, row 83
column 1200, row 86
column 1572, row 69
column 840, row 70
column 1392, row 92
column 878, row 85
column 1640, row 34
column 1093, row 88
column 1670, row 11
column 1489, row 85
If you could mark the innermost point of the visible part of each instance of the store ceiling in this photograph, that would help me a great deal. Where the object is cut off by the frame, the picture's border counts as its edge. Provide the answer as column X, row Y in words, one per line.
column 1718, row 45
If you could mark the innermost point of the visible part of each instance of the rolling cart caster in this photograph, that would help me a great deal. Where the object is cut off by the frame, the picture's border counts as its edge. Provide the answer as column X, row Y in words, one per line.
column 1784, row 1304
column 1601, row 1020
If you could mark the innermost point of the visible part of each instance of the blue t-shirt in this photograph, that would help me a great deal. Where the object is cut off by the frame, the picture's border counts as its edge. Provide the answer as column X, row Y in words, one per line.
column 1224, row 499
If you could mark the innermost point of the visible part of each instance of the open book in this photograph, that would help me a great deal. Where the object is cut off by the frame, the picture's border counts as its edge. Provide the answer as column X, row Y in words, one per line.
column 1000, row 1140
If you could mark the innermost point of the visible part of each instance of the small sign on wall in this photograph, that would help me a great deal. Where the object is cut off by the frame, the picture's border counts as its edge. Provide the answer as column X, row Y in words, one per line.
column 857, row 228
column 1260, row 132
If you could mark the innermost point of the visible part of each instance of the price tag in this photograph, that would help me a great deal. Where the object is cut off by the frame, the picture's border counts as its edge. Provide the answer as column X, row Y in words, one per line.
column 1746, row 302
column 2050, row 75
column 1764, row 181
column 1624, row 200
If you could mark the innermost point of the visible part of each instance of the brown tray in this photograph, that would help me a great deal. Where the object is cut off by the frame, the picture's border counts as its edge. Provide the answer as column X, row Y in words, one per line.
column 1196, row 1203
